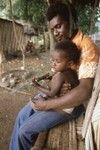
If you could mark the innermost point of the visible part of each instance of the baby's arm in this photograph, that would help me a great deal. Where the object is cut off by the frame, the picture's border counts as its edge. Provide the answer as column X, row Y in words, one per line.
column 55, row 85
column 39, row 86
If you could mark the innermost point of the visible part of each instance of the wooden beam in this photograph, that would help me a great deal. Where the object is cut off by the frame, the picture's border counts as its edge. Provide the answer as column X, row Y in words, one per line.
column 76, row 3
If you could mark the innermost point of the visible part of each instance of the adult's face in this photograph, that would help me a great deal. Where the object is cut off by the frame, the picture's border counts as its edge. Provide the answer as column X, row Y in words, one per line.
column 60, row 28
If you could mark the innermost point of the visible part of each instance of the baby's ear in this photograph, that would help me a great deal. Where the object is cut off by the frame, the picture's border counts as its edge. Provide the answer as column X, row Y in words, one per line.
column 72, row 65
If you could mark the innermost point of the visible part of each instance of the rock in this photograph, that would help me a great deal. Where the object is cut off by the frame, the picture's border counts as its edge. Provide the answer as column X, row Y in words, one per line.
column 4, row 79
column 11, row 75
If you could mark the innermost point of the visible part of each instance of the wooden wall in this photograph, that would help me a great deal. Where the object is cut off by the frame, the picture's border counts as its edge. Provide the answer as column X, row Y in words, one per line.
column 8, row 40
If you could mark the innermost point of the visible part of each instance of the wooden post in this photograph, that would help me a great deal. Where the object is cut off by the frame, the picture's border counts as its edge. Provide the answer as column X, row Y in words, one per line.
column 92, row 102
column 2, row 58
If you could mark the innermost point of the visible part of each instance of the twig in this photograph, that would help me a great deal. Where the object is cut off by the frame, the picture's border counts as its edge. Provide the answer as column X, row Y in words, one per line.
column 15, row 91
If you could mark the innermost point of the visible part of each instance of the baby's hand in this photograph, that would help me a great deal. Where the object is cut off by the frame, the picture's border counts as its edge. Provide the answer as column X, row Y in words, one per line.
column 65, row 88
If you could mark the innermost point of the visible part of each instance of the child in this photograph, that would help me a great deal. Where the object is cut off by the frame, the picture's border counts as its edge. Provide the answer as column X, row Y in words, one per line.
column 65, row 59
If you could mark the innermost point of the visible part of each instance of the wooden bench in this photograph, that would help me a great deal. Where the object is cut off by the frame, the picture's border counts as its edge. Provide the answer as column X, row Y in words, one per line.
column 62, row 137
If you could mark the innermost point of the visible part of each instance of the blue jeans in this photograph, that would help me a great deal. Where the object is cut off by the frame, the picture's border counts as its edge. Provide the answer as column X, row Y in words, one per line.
column 30, row 123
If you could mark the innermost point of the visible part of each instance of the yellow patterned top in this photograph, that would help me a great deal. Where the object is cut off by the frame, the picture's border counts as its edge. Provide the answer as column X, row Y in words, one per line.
column 89, row 55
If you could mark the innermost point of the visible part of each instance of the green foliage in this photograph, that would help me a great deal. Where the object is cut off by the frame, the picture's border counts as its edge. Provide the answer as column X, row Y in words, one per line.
column 39, row 11
column 84, row 16
column 17, row 10
column 2, row 4
column 34, row 11
column 30, row 10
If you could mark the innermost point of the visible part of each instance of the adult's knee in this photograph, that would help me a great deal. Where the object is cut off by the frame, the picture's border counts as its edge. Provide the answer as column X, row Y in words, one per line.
column 23, row 114
column 20, row 118
column 23, row 139
column 26, row 138
column 22, row 134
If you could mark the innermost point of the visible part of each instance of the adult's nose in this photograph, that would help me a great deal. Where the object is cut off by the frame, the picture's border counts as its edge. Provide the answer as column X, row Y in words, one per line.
column 56, row 32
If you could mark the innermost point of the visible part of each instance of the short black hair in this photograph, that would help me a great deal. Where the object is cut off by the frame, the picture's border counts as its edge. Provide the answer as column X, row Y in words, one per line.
column 70, row 50
column 62, row 10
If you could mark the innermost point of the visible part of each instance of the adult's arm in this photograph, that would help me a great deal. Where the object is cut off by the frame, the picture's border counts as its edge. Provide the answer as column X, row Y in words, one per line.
column 76, row 96
column 87, row 70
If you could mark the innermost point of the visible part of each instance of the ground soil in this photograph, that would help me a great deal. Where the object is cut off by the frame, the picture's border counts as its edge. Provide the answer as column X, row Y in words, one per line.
column 13, row 99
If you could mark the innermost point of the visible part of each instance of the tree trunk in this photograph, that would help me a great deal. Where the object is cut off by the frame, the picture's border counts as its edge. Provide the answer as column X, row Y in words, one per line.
column 92, row 21
column 52, row 41
column 2, row 58
column 47, row 41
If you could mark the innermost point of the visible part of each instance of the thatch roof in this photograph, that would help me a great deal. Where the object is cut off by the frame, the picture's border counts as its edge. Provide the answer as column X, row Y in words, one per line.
column 9, row 21
column 28, row 28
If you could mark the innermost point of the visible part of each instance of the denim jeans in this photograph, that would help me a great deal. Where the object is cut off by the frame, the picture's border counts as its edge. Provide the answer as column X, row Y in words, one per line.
column 30, row 123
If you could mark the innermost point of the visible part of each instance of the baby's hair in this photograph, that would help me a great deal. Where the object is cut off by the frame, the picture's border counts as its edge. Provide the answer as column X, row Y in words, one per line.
column 62, row 10
column 69, row 49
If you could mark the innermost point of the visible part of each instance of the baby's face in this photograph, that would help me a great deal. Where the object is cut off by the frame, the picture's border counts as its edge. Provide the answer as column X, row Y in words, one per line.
column 58, row 61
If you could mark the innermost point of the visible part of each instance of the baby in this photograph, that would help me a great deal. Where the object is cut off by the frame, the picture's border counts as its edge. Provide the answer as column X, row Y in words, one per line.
column 65, row 59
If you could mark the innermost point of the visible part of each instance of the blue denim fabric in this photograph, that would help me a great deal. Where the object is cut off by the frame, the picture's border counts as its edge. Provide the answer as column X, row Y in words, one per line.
column 30, row 123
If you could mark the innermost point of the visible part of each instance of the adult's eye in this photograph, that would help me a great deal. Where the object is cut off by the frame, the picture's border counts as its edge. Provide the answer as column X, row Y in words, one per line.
column 58, row 26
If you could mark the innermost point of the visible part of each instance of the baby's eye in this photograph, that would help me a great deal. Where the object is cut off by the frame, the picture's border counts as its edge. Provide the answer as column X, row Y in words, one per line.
column 58, row 62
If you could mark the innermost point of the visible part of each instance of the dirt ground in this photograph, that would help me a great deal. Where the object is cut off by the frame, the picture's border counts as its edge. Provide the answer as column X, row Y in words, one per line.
column 11, row 100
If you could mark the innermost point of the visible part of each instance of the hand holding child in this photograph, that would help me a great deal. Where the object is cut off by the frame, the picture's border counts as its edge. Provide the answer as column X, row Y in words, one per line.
column 40, row 104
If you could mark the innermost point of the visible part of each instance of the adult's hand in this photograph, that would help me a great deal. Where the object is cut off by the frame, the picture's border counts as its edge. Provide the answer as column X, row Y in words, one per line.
column 75, row 97
column 39, row 104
